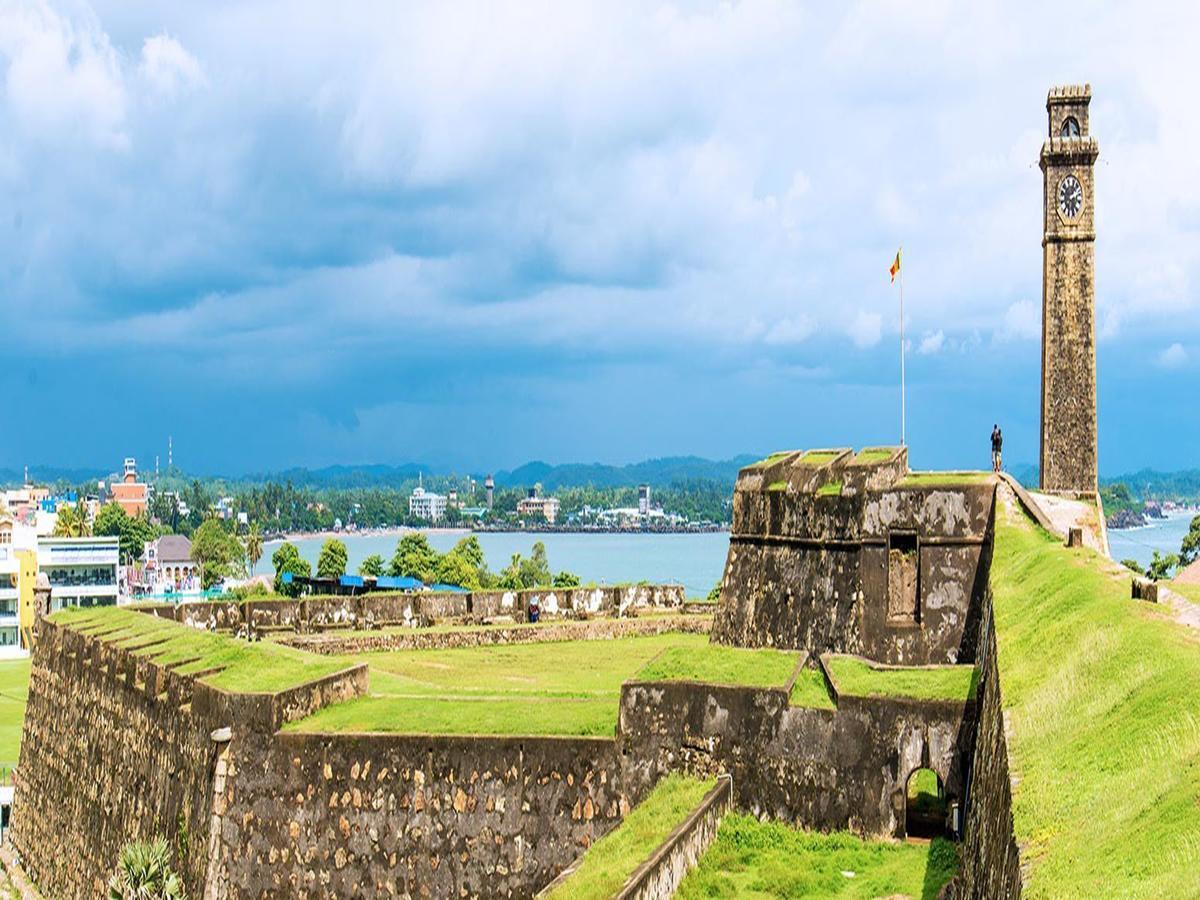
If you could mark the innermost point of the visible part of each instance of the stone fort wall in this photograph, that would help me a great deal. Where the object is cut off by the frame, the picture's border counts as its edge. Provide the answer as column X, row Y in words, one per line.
column 886, row 569
column 361, row 611
column 826, row 769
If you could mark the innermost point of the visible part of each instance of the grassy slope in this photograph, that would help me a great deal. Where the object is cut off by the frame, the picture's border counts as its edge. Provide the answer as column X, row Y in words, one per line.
column 248, row 667
column 923, row 479
column 1187, row 591
column 14, row 689
column 854, row 678
column 1100, row 696
column 752, row 859
column 565, row 687
column 612, row 859
column 811, row 690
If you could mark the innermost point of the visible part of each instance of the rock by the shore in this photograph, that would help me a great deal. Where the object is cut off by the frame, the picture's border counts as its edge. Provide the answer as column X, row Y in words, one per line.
column 1126, row 518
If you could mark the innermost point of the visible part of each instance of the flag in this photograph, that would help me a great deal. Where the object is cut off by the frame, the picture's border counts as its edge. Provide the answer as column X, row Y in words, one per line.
column 895, row 267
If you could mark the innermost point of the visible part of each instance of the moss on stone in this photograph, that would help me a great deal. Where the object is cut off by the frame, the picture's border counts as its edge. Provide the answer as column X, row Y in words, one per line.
column 819, row 457
column 777, row 486
column 830, row 489
column 948, row 479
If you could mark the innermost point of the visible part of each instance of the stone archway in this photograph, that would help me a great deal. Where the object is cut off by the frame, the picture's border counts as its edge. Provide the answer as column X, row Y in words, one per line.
column 926, row 806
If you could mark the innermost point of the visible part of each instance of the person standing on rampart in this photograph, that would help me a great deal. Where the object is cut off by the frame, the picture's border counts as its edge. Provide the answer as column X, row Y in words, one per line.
column 997, row 446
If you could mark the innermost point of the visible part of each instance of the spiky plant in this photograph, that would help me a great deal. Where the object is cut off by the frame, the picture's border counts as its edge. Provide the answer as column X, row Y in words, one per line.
column 144, row 873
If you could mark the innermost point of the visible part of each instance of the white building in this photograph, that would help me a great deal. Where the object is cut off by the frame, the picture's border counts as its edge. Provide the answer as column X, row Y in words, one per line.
column 423, row 504
column 82, row 571
column 533, row 504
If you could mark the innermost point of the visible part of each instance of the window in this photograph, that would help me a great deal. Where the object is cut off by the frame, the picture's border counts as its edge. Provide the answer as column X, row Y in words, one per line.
column 904, row 571
column 1070, row 128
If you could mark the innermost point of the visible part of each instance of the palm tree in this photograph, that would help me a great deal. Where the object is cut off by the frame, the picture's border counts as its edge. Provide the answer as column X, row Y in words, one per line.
column 72, row 521
column 254, row 545
column 144, row 873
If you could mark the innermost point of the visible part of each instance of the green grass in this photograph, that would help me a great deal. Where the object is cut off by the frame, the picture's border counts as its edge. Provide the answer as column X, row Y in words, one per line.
column 607, row 865
column 1103, row 731
column 772, row 459
column 14, row 691
column 759, row 860
column 563, row 687
column 830, row 489
column 925, row 479
column 871, row 455
column 819, row 457
column 466, row 715
column 777, row 486
column 1188, row 591
column 247, row 667
column 718, row 664
column 855, row 678
column 810, row 690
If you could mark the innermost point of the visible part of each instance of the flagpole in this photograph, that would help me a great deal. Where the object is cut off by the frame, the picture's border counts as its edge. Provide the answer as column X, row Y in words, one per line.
column 902, row 405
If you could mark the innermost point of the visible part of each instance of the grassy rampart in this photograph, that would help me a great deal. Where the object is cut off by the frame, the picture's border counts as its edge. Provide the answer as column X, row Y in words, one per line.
column 1101, row 697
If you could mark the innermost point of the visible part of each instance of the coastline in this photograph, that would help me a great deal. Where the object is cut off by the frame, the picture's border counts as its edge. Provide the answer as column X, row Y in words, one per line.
column 399, row 531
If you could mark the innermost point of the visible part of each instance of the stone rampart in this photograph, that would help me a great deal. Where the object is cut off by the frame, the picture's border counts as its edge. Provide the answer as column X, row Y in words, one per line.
column 491, row 635
column 991, row 860
column 828, row 769
column 116, row 748
column 311, row 815
column 854, row 558
column 660, row 876
column 322, row 613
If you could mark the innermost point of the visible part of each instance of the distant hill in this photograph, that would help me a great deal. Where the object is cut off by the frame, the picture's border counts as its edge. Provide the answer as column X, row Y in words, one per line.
column 50, row 475
column 655, row 472
column 342, row 477
column 1149, row 484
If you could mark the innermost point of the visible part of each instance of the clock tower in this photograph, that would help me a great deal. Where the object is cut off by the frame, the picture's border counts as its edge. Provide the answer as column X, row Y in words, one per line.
column 1068, row 454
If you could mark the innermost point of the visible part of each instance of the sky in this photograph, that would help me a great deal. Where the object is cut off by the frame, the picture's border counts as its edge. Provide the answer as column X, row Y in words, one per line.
column 472, row 235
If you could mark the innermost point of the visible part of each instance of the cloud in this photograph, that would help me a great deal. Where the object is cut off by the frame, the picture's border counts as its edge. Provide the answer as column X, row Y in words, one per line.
column 1173, row 357
column 587, row 183
column 168, row 67
column 866, row 329
column 932, row 343
column 1022, row 321
column 63, row 78
column 791, row 330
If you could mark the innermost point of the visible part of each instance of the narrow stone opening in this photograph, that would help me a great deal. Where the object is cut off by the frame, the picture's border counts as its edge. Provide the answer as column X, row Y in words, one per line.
column 926, row 812
column 904, row 607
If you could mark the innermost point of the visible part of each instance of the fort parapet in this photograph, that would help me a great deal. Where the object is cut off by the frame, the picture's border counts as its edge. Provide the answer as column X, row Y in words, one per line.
column 844, row 552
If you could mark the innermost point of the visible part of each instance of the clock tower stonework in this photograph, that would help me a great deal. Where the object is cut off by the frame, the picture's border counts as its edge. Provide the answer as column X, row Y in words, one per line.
column 1068, row 453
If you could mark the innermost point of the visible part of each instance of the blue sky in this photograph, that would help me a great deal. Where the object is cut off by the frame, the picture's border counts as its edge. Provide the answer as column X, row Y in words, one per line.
column 475, row 234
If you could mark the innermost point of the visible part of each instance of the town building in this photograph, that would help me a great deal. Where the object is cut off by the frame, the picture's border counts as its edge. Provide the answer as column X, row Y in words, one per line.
column 533, row 504
column 423, row 504
column 82, row 571
column 132, row 495
column 14, row 561
column 167, row 567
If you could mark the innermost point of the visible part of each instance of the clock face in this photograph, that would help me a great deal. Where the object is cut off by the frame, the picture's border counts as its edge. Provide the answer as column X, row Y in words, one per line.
column 1070, row 197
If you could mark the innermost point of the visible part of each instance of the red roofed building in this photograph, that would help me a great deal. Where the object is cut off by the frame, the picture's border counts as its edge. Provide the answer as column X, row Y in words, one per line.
column 131, row 494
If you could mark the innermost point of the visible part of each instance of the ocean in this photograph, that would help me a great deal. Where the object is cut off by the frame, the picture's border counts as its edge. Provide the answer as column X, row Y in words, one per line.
column 1163, row 535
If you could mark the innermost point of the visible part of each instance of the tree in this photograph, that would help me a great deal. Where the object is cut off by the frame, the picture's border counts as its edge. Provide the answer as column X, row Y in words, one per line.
column 332, row 561
column 565, row 579
column 414, row 558
column 288, row 559
column 144, row 873
column 535, row 571
column 72, row 521
column 1161, row 566
column 715, row 594
column 372, row 566
column 254, row 546
column 456, row 569
column 133, row 531
column 1189, row 550
column 470, row 550
column 219, row 553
